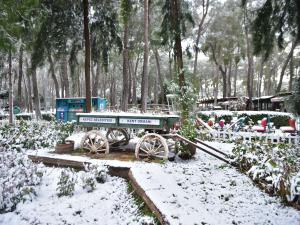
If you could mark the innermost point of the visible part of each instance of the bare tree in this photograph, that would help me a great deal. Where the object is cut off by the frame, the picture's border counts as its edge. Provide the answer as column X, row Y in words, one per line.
column 87, row 67
column 205, row 7
column 20, row 77
column 10, row 96
column 144, row 87
column 52, row 71
column 285, row 64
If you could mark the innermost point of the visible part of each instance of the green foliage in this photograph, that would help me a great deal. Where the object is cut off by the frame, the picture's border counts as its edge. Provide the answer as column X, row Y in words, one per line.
column 278, row 120
column 34, row 135
column 187, row 94
column 274, row 167
column 167, row 32
column 61, row 22
column 19, row 177
column 104, row 31
column 144, row 210
column 125, row 10
column 16, row 18
column 188, row 130
column 205, row 117
column 275, row 19
column 66, row 183
column 65, row 130
column 294, row 100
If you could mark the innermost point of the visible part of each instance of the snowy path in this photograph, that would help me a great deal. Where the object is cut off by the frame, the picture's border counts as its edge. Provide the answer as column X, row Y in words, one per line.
column 206, row 191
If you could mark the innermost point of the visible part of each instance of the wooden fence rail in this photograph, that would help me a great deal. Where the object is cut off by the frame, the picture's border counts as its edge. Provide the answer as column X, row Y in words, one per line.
column 268, row 137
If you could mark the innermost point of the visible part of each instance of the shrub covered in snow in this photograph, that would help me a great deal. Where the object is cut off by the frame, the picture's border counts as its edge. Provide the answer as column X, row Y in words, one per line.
column 275, row 167
column 185, row 150
column 33, row 135
column 18, row 178
column 278, row 118
column 66, row 183
column 94, row 174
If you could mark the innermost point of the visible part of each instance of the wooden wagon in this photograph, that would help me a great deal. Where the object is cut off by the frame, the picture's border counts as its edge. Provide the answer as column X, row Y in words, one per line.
column 152, row 144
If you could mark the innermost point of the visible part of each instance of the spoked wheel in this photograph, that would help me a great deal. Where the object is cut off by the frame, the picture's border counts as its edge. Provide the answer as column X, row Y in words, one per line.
column 152, row 146
column 95, row 142
column 117, row 137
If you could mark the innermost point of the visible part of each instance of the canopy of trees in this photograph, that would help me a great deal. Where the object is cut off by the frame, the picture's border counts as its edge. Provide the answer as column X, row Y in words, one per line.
column 135, row 52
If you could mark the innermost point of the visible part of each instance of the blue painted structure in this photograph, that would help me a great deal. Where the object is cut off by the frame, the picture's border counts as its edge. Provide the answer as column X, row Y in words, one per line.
column 66, row 108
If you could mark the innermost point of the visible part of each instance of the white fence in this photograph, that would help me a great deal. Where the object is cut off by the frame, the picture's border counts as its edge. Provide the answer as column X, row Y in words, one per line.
column 268, row 137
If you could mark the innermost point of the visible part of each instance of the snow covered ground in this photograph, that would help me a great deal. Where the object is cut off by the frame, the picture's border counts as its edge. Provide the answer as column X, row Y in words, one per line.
column 200, row 191
column 108, row 204
column 206, row 191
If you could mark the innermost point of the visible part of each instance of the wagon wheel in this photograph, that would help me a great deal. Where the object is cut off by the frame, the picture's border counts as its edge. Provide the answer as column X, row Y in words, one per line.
column 152, row 146
column 117, row 137
column 95, row 142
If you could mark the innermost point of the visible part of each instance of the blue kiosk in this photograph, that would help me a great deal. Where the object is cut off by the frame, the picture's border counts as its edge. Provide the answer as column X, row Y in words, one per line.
column 66, row 108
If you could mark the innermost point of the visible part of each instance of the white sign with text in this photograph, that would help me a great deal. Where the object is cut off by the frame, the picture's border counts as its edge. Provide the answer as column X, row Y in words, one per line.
column 139, row 121
column 96, row 120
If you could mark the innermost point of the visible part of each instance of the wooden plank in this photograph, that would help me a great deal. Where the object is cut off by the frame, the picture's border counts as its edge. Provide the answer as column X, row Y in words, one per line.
column 141, row 192
column 58, row 162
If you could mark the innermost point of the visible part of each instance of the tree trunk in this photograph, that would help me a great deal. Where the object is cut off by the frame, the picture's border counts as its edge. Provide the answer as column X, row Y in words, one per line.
column 64, row 74
column 36, row 97
column 53, row 75
column 87, row 56
column 134, row 79
column 216, row 86
column 125, row 91
column 235, row 78
column 286, row 62
column 175, row 12
column 20, row 77
column 160, row 78
column 95, row 88
column 250, row 69
column 113, row 88
column 30, row 108
column 130, row 75
column 170, row 66
column 291, row 73
column 228, row 91
column 10, row 96
column 26, row 94
column 205, row 6
column 144, row 87
column 260, row 77
column 224, row 79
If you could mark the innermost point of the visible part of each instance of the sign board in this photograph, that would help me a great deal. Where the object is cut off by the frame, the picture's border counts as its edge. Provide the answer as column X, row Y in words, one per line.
column 139, row 121
column 96, row 120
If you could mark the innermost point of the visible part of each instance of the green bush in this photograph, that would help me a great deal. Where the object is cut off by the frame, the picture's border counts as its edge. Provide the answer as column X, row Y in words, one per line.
column 274, row 167
column 185, row 150
column 205, row 117
column 66, row 183
column 48, row 116
column 278, row 120
column 24, row 117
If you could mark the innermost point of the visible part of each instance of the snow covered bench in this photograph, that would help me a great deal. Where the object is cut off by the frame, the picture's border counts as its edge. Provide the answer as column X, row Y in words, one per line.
column 291, row 128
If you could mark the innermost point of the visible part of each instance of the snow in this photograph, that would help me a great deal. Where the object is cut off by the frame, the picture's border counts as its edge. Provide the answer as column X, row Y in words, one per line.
column 77, row 138
column 127, row 114
column 204, row 191
column 108, row 204
column 271, row 113
column 218, row 113
column 221, row 113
